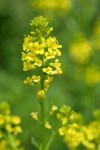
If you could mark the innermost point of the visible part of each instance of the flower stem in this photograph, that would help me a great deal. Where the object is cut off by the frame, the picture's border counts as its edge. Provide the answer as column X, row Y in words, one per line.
column 50, row 141
column 42, row 124
column 12, row 142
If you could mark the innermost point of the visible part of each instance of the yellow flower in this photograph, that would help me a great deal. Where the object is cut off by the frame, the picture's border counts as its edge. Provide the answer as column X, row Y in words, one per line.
column 36, row 78
column 9, row 128
column 29, row 81
column 27, row 40
column 81, row 51
column 47, row 125
column 15, row 120
column 28, row 57
column 52, row 44
column 8, row 119
column 17, row 129
column 37, row 62
column 41, row 94
column 48, row 70
column 88, row 144
column 58, row 71
column 62, row 118
column 40, row 49
column 47, row 82
column 34, row 115
column 53, row 109
column 75, row 126
column 58, row 53
column 28, row 66
column 62, row 131
column 49, row 55
column 56, row 64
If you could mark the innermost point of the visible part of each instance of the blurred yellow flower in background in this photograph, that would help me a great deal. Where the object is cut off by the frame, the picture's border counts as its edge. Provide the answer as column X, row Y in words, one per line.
column 80, row 51
column 47, row 125
column 16, row 120
column 92, row 75
column 86, row 135
column 59, row 6
column 34, row 115
column 9, row 128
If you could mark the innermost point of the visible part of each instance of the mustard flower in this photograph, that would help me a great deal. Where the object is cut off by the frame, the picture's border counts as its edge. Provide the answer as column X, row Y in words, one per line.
column 53, row 109
column 62, row 131
column 34, row 115
column 47, row 82
column 16, row 120
column 47, row 125
column 41, row 94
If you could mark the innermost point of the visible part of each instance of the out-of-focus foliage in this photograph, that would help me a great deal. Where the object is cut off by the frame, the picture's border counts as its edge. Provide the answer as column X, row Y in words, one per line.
column 9, row 128
column 77, row 27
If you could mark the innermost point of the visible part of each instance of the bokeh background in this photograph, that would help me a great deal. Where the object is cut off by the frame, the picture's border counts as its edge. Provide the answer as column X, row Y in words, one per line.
column 76, row 26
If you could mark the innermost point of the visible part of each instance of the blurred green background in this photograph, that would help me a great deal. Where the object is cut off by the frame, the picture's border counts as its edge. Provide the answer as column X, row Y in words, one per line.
column 76, row 26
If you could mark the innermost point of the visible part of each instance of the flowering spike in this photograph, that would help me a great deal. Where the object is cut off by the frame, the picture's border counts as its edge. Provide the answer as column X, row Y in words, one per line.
column 40, row 54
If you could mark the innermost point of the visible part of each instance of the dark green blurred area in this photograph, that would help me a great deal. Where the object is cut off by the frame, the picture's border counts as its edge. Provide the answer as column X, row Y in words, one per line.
column 70, row 88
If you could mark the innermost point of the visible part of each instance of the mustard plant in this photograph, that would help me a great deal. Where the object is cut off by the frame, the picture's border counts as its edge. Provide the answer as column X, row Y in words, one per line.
column 40, row 57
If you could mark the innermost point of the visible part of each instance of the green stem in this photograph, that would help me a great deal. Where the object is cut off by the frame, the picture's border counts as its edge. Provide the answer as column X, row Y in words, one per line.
column 12, row 142
column 50, row 141
column 42, row 124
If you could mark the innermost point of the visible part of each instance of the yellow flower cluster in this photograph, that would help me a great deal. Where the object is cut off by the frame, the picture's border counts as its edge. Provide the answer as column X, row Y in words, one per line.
column 53, row 5
column 10, row 123
column 86, row 135
column 40, row 52
column 77, row 134
column 66, row 115
column 9, row 126
column 81, row 51
column 92, row 75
